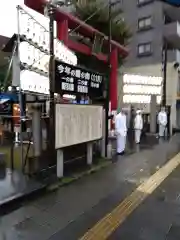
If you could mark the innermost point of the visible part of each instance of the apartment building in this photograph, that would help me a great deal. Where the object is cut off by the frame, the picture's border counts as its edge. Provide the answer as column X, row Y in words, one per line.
column 153, row 22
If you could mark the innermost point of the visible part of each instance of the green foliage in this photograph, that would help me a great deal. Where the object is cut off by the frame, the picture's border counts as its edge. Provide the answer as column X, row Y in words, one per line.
column 2, row 77
column 97, row 13
column 3, row 72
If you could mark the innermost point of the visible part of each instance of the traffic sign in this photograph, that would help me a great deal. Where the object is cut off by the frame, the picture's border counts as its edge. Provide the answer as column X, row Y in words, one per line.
column 172, row 2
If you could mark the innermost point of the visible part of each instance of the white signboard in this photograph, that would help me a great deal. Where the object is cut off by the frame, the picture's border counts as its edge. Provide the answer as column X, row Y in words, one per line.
column 35, row 33
column 77, row 124
column 34, row 54
column 138, row 88
column 34, row 82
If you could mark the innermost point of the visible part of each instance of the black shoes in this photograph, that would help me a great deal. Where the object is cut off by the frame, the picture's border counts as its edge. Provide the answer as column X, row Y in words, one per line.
column 121, row 153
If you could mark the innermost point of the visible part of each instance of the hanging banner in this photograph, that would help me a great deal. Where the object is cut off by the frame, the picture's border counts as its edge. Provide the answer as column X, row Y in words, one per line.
column 34, row 29
column 75, row 80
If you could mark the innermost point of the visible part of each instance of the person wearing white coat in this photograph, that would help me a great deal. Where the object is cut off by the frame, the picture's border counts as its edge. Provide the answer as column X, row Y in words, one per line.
column 121, row 131
column 162, row 121
column 138, row 126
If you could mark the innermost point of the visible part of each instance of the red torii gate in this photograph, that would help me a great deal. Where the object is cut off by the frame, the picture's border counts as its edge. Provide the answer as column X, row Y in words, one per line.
column 66, row 21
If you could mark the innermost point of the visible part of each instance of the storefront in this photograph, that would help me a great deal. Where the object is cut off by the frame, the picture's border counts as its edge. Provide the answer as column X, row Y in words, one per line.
column 138, row 89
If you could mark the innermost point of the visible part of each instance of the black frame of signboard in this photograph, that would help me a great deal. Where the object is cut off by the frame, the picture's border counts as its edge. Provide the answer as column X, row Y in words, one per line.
column 89, row 83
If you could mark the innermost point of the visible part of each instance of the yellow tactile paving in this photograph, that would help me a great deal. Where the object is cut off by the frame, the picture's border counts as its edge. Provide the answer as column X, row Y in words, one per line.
column 107, row 225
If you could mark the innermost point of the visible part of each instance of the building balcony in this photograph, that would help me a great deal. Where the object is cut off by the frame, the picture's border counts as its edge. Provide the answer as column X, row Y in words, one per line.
column 172, row 34
column 172, row 12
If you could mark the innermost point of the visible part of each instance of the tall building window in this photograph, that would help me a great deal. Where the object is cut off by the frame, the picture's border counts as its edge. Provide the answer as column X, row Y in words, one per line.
column 145, row 23
column 144, row 2
column 144, row 49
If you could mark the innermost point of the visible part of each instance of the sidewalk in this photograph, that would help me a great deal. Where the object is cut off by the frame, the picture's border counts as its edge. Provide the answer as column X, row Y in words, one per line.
column 158, row 218
column 87, row 200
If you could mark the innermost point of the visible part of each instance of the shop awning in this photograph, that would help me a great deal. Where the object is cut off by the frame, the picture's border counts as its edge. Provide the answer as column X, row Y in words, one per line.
column 8, row 97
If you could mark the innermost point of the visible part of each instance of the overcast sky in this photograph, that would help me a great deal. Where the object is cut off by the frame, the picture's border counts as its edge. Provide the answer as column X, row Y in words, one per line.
column 8, row 16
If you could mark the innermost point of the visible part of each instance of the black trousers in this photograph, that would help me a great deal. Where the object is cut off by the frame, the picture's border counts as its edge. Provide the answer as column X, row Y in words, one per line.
column 130, row 135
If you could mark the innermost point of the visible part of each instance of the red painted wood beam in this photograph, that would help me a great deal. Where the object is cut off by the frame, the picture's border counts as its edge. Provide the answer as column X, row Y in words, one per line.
column 82, row 48
column 79, row 47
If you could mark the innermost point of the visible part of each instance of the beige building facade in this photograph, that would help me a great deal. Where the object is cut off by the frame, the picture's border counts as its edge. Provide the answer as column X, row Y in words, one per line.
column 172, row 86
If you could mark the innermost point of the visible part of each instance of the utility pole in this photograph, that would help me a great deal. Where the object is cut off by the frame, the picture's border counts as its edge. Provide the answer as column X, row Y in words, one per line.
column 108, row 81
column 22, row 113
column 164, row 69
column 51, row 143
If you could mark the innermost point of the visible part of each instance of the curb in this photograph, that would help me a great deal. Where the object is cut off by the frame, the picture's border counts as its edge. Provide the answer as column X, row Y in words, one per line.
column 56, row 186
column 15, row 202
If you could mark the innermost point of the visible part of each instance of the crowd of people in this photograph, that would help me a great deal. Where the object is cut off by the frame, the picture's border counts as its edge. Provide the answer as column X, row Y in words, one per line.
column 137, row 127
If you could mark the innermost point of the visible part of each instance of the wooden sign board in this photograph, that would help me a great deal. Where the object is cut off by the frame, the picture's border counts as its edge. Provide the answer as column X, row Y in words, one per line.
column 77, row 124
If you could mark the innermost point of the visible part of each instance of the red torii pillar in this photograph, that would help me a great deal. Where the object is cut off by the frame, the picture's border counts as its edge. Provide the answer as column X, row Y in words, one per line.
column 62, row 31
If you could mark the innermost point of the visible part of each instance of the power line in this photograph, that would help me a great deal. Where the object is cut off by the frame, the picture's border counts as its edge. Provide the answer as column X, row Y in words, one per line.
column 93, row 14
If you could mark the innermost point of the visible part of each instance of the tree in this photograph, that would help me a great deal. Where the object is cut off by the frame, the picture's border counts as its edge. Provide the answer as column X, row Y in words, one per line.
column 3, row 76
column 97, row 13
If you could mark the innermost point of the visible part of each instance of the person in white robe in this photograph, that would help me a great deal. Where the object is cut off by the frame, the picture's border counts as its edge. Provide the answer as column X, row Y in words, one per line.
column 162, row 121
column 138, row 126
column 121, row 131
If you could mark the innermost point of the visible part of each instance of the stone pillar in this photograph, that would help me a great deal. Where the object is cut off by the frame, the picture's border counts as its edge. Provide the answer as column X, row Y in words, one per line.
column 89, row 153
column 103, row 134
column 60, row 163
column 153, row 106
column 37, row 129
column 109, row 150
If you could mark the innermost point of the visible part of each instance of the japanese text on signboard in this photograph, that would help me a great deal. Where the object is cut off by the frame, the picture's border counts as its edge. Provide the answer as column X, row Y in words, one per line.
column 77, row 80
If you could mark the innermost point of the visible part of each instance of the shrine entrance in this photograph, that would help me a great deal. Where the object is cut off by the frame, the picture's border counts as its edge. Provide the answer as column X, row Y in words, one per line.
column 67, row 22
